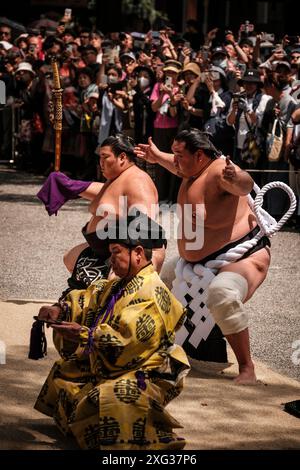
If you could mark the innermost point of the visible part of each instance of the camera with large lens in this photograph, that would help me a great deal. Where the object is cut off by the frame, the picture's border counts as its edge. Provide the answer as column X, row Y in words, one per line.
column 239, row 96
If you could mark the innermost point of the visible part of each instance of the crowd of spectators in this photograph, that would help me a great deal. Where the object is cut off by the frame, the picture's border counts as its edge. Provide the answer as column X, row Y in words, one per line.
column 238, row 88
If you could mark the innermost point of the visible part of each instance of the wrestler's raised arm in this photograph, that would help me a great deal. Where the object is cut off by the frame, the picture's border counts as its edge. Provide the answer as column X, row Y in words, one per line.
column 234, row 180
column 151, row 154
column 59, row 188
column 91, row 191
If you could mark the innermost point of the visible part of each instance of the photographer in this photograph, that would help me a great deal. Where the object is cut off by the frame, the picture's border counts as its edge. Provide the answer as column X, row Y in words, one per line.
column 96, row 39
column 246, row 110
column 217, row 107
column 34, row 50
column 89, row 55
column 30, row 128
column 164, row 99
column 112, row 104
column 294, row 60
column 278, row 54
column 281, row 107
column 88, row 89
column 293, row 157
column 21, row 44
column 235, row 52
column 143, row 113
column 191, row 104
column 167, row 46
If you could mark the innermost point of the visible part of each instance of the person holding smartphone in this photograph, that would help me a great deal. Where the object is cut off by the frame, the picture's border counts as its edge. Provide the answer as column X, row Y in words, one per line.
column 110, row 385
column 112, row 104
column 164, row 99
column 96, row 40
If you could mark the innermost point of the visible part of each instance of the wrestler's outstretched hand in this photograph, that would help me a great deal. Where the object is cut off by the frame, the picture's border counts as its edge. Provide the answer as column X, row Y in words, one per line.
column 148, row 152
column 229, row 172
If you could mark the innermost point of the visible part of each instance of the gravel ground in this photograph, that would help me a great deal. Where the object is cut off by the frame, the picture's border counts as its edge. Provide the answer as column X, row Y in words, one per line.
column 33, row 244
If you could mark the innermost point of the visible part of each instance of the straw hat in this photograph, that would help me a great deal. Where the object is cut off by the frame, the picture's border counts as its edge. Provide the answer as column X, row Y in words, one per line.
column 192, row 67
column 172, row 66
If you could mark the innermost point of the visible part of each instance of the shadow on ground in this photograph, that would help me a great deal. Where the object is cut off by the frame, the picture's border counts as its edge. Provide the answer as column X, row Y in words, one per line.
column 215, row 413
column 21, row 426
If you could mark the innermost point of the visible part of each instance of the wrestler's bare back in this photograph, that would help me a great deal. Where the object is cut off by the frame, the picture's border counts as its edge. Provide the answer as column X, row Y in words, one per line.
column 226, row 218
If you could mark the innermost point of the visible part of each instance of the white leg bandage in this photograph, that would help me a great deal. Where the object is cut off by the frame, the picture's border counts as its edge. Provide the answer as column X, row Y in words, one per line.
column 225, row 298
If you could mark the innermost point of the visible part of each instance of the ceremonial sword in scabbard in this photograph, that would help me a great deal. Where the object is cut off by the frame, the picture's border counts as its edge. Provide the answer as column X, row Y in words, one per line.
column 57, row 101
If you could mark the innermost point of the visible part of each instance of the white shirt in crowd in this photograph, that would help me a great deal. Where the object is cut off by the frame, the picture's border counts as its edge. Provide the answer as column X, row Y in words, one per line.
column 243, row 127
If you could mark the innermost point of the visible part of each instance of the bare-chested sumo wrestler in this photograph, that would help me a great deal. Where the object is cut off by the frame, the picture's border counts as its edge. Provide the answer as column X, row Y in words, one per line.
column 125, row 182
column 222, row 188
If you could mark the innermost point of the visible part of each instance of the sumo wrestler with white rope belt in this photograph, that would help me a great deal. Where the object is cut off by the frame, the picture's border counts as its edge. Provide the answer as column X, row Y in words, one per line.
column 215, row 280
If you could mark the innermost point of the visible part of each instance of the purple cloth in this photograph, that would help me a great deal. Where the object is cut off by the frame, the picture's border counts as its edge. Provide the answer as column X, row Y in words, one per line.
column 58, row 189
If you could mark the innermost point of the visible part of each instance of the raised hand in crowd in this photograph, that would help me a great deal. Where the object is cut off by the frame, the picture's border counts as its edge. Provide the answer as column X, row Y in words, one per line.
column 238, row 73
column 148, row 38
column 200, row 59
column 176, row 98
column 190, row 96
column 102, row 86
column 230, row 37
column 163, row 88
column 210, row 36
column 167, row 46
column 116, row 100
column 185, row 104
column 243, row 105
column 285, row 41
column 186, row 54
column 256, row 49
column 209, row 83
column 144, row 59
column 278, row 54
column 230, row 66
column 159, row 74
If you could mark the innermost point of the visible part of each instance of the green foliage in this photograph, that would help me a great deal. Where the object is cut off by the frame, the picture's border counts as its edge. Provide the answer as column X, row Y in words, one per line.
column 143, row 9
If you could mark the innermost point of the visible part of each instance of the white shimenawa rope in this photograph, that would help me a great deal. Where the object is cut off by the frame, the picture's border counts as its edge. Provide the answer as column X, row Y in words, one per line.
column 193, row 279
column 267, row 224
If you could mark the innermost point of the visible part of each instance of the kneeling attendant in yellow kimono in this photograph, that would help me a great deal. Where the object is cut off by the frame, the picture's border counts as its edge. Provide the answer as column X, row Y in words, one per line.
column 119, row 365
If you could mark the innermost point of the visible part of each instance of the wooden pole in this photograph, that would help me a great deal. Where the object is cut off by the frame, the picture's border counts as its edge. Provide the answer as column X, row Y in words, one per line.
column 57, row 100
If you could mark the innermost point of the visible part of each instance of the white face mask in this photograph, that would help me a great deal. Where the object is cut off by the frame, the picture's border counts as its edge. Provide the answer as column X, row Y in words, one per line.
column 220, row 63
column 112, row 79
column 143, row 81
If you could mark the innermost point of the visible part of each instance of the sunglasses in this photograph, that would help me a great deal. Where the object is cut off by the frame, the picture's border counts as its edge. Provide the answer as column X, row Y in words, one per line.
column 295, row 57
column 6, row 33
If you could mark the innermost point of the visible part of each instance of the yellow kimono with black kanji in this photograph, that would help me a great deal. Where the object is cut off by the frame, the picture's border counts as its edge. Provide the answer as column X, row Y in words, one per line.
column 113, row 396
